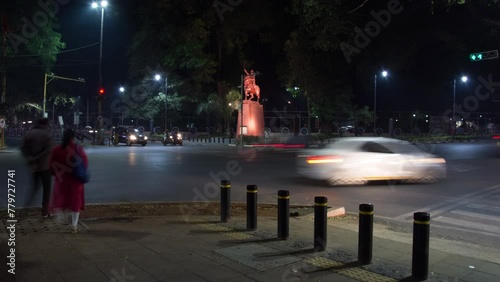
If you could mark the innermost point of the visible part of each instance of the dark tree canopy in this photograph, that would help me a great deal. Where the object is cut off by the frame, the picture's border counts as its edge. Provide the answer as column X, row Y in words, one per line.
column 30, row 47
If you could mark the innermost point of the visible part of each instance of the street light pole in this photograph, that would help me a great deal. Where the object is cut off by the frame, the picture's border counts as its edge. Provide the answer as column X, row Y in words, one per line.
column 375, row 106
column 464, row 79
column 158, row 78
column 100, row 63
column 103, row 4
column 384, row 74
column 454, row 123
column 166, row 86
column 122, row 89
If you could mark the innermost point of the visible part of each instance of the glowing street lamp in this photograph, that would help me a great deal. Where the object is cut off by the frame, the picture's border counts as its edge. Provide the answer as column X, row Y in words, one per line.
column 384, row 74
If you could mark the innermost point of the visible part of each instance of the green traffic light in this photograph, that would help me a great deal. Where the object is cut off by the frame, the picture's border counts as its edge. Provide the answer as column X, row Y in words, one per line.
column 481, row 56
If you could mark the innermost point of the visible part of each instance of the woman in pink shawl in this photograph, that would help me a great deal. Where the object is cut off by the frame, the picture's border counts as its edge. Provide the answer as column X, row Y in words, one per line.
column 68, row 194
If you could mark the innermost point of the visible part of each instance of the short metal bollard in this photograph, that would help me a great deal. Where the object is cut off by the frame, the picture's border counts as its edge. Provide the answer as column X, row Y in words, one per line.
column 283, row 214
column 420, row 256
column 320, row 218
column 365, row 236
column 251, row 207
column 225, row 198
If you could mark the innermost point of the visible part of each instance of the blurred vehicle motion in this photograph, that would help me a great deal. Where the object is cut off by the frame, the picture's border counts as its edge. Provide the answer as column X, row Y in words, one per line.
column 173, row 138
column 129, row 136
column 357, row 160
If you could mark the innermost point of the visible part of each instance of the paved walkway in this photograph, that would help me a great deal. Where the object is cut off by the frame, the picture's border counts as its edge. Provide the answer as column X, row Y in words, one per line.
column 200, row 248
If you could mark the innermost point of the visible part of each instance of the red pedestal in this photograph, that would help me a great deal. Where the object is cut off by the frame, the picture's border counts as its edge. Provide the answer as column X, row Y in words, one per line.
column 253, row 119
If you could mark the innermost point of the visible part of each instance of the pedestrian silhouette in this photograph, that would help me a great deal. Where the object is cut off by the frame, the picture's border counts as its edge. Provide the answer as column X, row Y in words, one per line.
column 36, row 148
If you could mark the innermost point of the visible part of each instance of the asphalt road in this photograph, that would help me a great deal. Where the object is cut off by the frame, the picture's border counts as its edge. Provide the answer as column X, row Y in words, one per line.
column 466, row 206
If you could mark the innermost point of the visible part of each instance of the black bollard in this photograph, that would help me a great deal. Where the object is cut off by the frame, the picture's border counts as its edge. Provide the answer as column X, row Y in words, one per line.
column 225, row 198
column 251, row 207
column 365, row 235
column 320, row 218
column 283, row 214
column 420, row 258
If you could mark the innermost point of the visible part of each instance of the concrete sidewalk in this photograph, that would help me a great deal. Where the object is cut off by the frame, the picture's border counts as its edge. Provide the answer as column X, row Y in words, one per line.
column 200, row 248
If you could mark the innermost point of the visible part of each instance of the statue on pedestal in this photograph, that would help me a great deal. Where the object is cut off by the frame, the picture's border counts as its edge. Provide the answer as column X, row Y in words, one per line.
column 251, row 113
column 252, row 90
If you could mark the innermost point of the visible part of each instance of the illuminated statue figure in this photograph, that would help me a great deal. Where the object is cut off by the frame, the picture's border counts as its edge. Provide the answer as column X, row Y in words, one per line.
column 252, row 90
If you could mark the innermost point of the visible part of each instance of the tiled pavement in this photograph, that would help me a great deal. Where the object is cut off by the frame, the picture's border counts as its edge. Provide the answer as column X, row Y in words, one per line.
column 177, row 248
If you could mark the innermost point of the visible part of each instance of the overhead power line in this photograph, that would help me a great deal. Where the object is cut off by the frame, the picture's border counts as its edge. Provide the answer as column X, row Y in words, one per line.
column 46, row 54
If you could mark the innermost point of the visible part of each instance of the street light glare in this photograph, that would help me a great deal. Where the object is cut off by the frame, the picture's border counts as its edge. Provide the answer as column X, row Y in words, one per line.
column 104, row 4
column 157, row 77
column 95, row 5
column 464, row 79
column 384, row 73
column 122, row 89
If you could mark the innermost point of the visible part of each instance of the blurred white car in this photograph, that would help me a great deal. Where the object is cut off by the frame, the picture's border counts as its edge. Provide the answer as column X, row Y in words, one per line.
column 357, row 160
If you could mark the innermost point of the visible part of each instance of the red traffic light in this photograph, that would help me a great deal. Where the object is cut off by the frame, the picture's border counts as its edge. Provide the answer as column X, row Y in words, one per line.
column 101, row 91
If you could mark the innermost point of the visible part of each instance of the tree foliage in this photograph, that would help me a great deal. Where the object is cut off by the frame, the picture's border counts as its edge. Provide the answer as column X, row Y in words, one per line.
column 29, row 41
column 199, row 46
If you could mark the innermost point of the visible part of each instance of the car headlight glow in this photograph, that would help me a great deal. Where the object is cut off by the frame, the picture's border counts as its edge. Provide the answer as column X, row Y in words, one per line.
column 145, row 138
column 179, row 136
column 132, row 137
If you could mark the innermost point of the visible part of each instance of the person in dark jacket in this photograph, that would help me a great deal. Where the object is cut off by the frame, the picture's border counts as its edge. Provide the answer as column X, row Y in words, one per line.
column 36, row 148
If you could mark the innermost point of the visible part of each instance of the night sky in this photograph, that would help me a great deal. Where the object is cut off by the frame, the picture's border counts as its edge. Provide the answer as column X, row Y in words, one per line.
column 80, row 26
column 405, row 91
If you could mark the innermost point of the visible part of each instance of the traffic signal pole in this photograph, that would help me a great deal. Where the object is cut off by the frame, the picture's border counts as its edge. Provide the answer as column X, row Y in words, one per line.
column 100, row 133
column 45, row 82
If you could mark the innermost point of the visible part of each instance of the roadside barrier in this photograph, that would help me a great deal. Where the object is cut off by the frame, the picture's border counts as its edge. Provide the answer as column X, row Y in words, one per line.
column 251, row 207
column 320, row 225
column 421, row 226
column 420, row 255
column 225, row 200
column 365, row 234
column 283, row 214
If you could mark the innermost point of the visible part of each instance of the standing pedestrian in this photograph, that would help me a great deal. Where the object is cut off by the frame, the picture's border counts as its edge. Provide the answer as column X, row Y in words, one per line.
column 36, row 148
column 68, row 197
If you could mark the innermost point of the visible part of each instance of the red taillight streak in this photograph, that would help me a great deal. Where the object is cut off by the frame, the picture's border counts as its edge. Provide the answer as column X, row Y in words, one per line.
column 323, row 159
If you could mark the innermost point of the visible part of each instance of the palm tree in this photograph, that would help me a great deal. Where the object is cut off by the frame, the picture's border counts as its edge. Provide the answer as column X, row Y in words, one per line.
column 221, row 107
